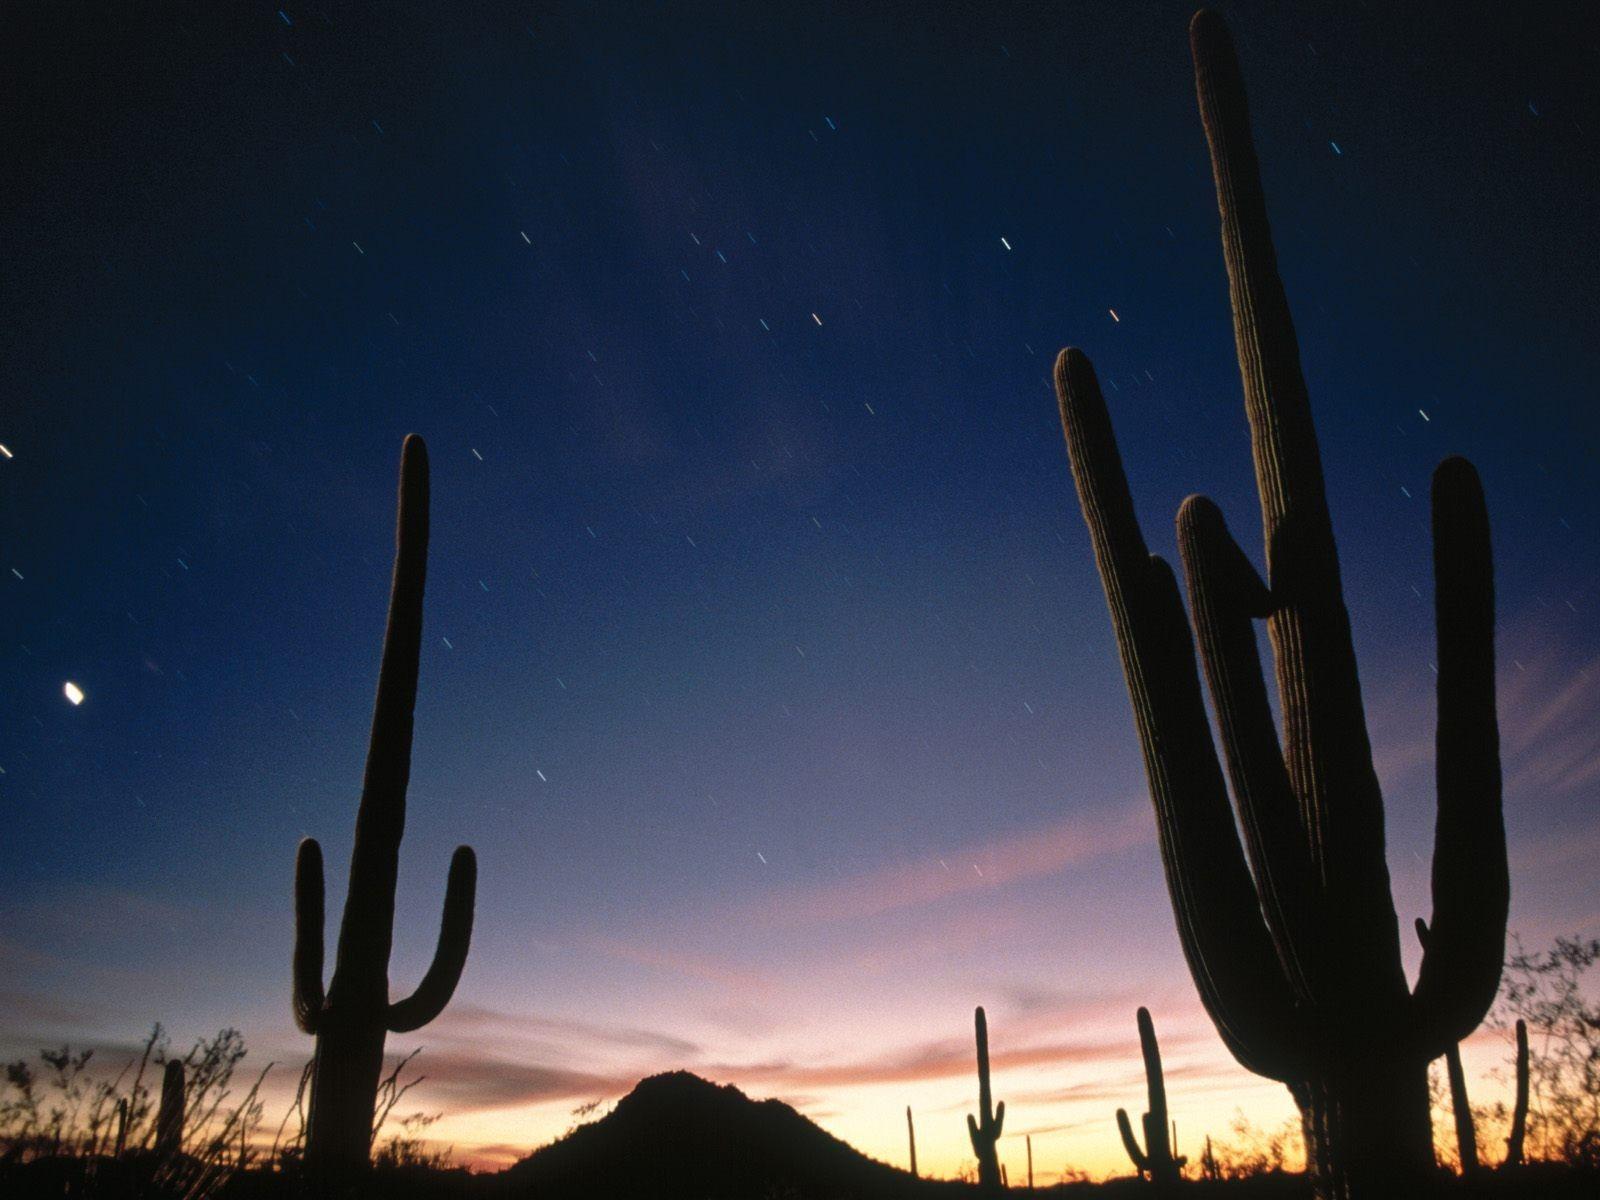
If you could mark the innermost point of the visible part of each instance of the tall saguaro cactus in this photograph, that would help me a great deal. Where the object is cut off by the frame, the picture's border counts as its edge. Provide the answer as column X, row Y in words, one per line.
column 911, row 1136
column 984, row 1129
column 1292, row 937
column 351, row 1020
column 1156, row 1160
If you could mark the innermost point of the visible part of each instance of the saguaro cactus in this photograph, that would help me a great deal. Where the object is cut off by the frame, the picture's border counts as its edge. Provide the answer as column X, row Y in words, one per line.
column 1156, row 1161
column 1460, row 1106
column 169, row 1115
column 985, row 1128
column 351, row 1020
column 1519, row 1111
column 911, row 1136
column 1029, row 1140
column 1292, row 938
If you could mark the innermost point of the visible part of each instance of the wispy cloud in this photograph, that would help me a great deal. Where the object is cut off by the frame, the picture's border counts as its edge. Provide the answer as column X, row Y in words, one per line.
column 686, row 963
column 1548, row 699
column 1550, row 723
column 474, row 1083
column 975, row 867
column 475, row 1022
column 945, row 1058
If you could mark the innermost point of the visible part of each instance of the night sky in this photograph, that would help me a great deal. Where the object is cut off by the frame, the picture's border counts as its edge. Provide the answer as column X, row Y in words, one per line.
column 765, row 664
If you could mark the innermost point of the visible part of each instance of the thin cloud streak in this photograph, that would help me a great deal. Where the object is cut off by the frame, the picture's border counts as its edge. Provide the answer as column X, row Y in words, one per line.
column 1070, row 842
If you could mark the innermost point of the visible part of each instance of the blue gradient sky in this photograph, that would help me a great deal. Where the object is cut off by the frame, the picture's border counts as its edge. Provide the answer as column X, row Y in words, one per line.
column 765, row 663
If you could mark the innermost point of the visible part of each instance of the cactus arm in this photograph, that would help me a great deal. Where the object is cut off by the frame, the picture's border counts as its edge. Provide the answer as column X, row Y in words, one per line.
column 972, row 1132
column 308, row 921
column 1225, row 594
column 1461, row 1109
column 1130, row 1143
column 366, row 934
column 1471, row 887
column 999, row 1118
column 1460, row 1106
column 1225, row 941
column 449, row 956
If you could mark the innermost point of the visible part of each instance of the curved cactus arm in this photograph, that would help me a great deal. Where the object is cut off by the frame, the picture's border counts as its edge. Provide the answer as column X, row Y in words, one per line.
column 1226, row 942
column 1471, row 887
column 1130, row 1143
column 366, row 934
column 1460, row 1106
column 449, row 956
column 972, row 1132
column 1225, row 595
column 999, row 1119
column 308, row 921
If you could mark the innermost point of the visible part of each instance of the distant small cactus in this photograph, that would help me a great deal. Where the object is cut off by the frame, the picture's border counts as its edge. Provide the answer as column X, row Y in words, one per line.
column 1519, row 1111
column 984, row 1130
column 120, row 1143
column 169, row 1116
column 1156, row 1161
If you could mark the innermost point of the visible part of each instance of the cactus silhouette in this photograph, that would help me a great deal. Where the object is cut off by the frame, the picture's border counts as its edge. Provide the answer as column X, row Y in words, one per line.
column 351, row 1019
column 169, row 1114
column 985, row 1128
column 1460, row 1106
column 1156, row 1161
column 1519, row 1110
column 1029, row 1139
column 1292, row 938
column 120, row 1142
column 911, row 1136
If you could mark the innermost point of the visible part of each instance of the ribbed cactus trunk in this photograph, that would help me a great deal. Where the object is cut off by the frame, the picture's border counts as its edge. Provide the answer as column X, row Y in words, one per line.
column 1156, row 1160
column 351, row 1020
column 984, row 1130
column 169, row 1114
column 1291, row 936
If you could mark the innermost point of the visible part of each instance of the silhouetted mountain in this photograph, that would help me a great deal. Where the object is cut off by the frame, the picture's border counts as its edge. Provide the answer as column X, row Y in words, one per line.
column 678, row 1136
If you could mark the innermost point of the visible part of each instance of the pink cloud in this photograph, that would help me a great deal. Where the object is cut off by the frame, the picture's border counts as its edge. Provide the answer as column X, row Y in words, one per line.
column 475, row 1083
column 693, row 966
column 1071, row 841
